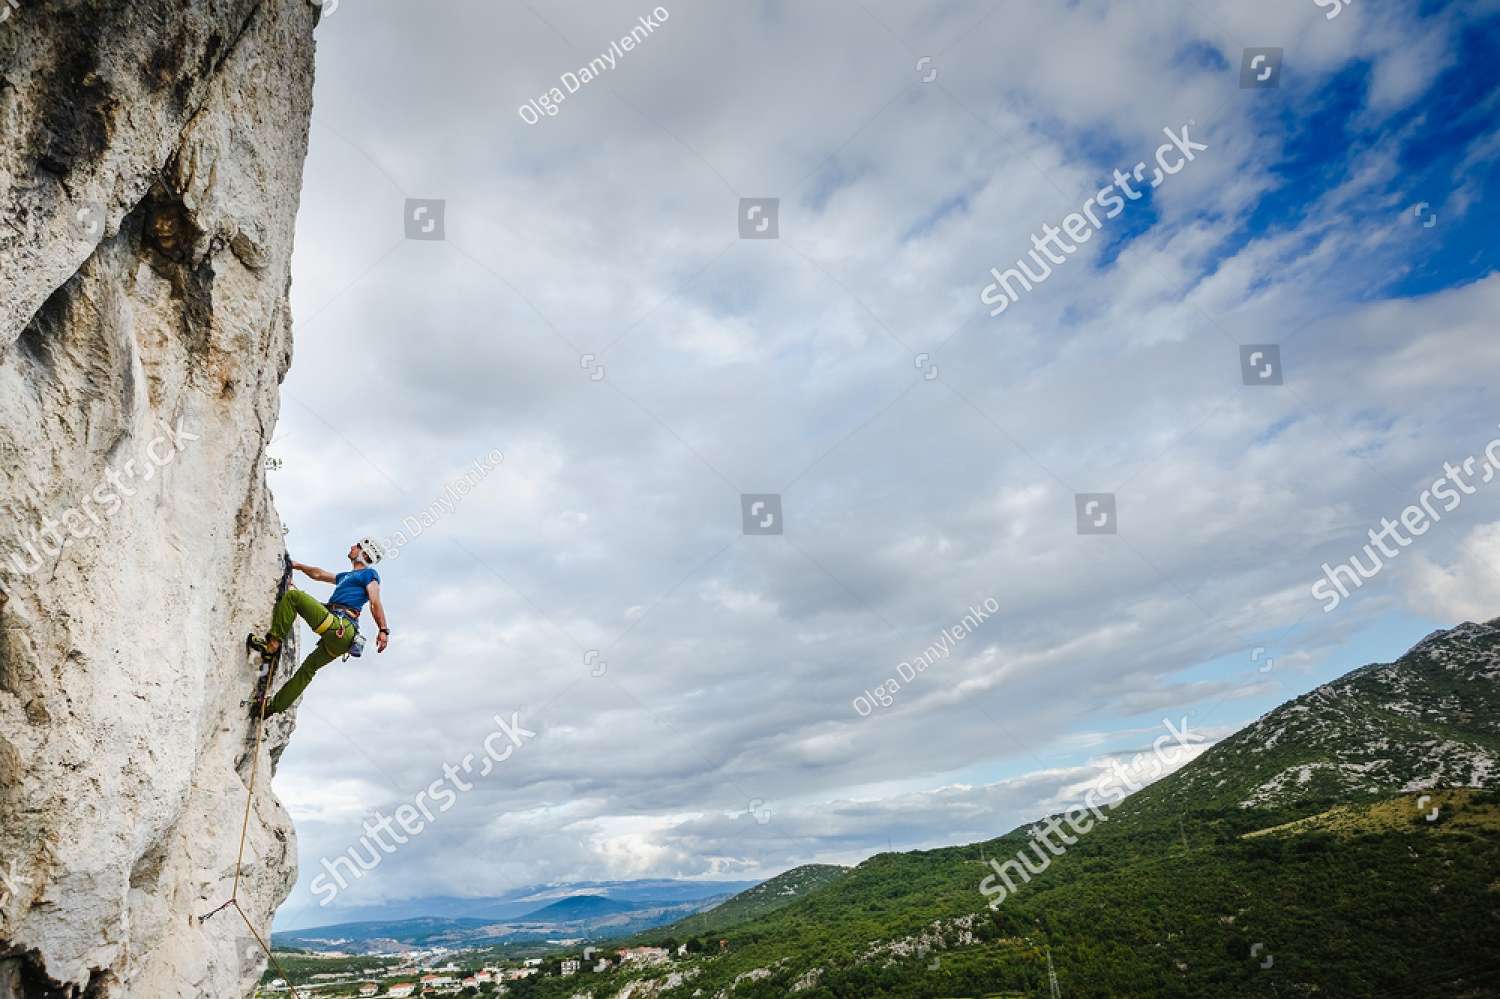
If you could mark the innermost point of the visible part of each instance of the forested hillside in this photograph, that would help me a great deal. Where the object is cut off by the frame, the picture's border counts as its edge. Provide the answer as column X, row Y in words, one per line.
column 1346, row 844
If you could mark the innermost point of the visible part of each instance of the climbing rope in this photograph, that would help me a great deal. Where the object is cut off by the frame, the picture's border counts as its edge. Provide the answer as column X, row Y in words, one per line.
column 239, row 861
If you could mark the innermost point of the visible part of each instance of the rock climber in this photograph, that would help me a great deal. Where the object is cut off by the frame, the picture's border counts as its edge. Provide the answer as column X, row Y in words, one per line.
column 336, row 623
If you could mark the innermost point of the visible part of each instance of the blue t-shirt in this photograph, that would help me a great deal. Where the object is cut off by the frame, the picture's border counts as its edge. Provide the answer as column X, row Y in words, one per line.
column 349, row 588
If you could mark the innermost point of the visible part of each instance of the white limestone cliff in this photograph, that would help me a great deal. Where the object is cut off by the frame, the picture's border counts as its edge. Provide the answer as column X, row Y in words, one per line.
column 152, row 159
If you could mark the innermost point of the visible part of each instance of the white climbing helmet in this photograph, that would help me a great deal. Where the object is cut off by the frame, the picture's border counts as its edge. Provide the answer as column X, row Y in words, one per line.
column 371, row 549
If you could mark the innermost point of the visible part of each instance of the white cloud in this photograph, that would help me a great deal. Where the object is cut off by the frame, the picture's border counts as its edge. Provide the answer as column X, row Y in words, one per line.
column 1468, row 588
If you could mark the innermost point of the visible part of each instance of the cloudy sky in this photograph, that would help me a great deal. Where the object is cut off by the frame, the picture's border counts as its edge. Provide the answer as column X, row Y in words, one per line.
column 593, row 313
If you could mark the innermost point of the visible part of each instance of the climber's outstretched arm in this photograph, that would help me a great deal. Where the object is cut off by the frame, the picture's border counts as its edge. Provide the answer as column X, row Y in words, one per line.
column 377, row 611
column 313, row 572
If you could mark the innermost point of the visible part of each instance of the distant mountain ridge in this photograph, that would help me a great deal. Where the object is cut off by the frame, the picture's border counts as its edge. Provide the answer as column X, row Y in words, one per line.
column 512, row 904
column 591, row 911
column 578, row 907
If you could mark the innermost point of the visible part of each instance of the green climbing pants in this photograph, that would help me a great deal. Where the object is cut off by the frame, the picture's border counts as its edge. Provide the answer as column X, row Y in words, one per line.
column 336, row 634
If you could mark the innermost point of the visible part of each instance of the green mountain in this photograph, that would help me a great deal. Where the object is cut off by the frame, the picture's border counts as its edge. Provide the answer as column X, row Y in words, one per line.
column 765, row 898
column 1347, row 844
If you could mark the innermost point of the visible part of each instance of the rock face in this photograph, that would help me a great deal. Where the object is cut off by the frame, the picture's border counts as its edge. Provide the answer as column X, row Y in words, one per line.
column 1431, row 719
column 151, row 162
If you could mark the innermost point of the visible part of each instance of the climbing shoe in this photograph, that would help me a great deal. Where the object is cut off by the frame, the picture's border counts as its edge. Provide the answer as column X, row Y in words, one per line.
column 263, row 646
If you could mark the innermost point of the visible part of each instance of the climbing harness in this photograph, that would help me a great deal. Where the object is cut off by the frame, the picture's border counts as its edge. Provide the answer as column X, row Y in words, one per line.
column 351, row 618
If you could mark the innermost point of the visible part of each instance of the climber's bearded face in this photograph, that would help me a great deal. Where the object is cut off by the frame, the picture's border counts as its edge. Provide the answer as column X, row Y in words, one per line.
column 355, row 554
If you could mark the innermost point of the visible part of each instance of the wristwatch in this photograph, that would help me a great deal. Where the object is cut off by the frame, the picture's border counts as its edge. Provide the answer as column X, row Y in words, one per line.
column 384, row 631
